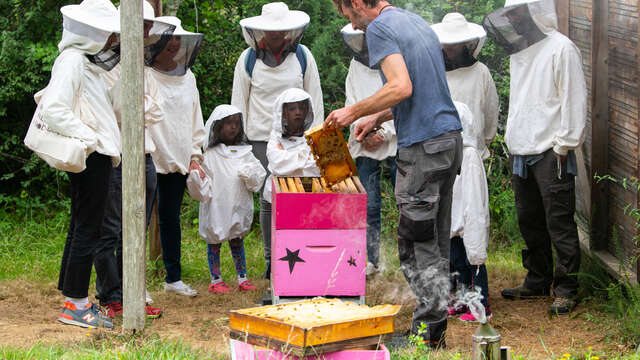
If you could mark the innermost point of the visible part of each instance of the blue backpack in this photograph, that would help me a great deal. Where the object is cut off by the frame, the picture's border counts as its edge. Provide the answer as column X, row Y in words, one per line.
column 250, row 60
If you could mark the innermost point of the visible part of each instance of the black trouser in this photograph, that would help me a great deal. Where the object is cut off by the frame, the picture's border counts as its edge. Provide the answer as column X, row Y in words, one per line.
column 546, row 206
column 108, row 257
column 260, row 152
column 170, row 193
column 88, row 198
column 424, row 187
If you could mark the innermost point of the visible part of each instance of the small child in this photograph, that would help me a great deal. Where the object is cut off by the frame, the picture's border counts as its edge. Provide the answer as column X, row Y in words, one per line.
column 470, row 217
column 287, row 150
column 226, row 193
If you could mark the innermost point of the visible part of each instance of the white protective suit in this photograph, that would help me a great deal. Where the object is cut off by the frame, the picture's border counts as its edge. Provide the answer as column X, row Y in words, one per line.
column 76, row 102
column 295, row 159
column 361, row 83
column 474, row 86
column 548, row 99
column 226, row 194
column 255, row 95
column 180, row 137
column 470, row 203
column 153, row 102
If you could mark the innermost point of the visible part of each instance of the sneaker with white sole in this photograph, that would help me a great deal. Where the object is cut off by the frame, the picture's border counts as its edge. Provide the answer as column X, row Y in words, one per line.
column 180, row 288
column 89, row 317
column 372, row 269
column 148, row 298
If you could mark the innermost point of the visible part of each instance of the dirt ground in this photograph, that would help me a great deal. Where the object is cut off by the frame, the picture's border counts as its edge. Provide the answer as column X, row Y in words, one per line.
column 28, row 316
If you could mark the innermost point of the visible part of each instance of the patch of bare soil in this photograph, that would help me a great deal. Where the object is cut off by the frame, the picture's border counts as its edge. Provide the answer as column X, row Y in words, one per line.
column 28, row 315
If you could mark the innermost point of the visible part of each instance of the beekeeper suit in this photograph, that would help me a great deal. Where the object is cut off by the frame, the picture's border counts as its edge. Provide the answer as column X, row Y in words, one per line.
column 289, row 155
column 77, row 104
column 469, row 80
column 233, row 175
column 470, row 204
column 178, row 139
column 274, row 62
column 361, row 83
column 108, row 258
column 547, row 114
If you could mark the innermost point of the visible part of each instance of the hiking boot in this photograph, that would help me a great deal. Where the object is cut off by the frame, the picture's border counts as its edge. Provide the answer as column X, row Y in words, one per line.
column 219, row 288
column 267, row 270
column 180, row 288
column 152, row 312
column 246, row 286
column 522, row 292
column 562, row 306
column 89, row 317
column 112, row 309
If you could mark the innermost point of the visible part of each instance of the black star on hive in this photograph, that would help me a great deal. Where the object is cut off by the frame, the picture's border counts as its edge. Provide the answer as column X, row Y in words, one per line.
column 292, row 257
column 351, row 261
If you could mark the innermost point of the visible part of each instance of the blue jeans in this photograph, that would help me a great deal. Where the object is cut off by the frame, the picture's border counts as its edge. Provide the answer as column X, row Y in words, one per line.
column 369, row 171
column 170, row 193
column 465, row 275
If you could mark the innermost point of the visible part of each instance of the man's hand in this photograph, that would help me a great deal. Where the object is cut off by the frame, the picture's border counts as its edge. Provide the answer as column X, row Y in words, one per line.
column 364, row 127
column 372, row 141
column 195, row 166
column 559, row 157
column 339, row 118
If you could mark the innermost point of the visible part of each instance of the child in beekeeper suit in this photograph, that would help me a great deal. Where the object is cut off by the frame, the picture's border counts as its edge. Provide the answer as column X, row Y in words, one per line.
column 226, row 193
column 470, row 215
column 287, row 149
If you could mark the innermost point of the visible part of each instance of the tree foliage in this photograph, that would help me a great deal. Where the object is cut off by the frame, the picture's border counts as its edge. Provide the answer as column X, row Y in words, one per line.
column 31, row 30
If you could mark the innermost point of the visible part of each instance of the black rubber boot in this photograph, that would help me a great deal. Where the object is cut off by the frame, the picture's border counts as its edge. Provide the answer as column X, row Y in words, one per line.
column 267, row 270
column 522, row 292
column 435, row 336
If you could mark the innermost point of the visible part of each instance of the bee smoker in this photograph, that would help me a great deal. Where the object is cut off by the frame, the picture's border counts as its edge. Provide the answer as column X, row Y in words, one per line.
column 486, row 344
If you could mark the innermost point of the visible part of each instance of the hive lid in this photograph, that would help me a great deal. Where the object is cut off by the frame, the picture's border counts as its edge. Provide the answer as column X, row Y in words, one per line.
column 331, row 154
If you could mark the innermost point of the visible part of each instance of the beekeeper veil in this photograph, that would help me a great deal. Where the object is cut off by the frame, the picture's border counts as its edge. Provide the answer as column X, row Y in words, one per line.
column 293, row 95
column 93, row 27
column 175, row 52
column 356, row 42
column 154, row 27
column 275, row 33
column 461, row 40
column 214, row 125
column 521, row 23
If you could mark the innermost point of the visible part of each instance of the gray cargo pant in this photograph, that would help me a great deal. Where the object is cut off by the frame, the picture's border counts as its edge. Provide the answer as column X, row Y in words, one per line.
column 260, row 152
column 424, row 184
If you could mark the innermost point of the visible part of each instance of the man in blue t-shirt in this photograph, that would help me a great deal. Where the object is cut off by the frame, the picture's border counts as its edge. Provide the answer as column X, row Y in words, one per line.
column 416, row 96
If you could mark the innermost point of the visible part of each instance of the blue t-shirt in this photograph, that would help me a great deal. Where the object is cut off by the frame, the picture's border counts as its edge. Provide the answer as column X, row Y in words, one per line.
column 429, row 111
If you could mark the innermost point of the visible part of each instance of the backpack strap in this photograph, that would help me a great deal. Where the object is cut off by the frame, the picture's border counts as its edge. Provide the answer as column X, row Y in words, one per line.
column 250, row 61
column 302, row 59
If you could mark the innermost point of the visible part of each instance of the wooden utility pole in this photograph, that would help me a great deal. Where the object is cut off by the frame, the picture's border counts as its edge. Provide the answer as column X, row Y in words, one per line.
column 133, row 164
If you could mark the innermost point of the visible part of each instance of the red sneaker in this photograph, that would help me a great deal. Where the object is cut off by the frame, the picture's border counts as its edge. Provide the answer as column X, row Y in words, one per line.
column 455, row 310
column 113, row 309
column 246, row 286
column 219, row 288
column 152, row 312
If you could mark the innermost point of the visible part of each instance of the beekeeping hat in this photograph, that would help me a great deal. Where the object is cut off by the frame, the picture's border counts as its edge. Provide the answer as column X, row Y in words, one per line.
column 275, row 18
column 455, row 29
column 176, row 52
column 220, row 113
column 521, row 23
column 87, row 26
column 291, row 95
column 356, row 42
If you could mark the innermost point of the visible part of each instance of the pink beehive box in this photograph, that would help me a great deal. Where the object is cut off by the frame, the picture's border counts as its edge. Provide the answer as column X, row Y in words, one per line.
column 243, row 351
column 318, row 243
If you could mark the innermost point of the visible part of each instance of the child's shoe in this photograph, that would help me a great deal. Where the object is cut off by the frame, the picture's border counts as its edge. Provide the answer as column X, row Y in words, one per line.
column 246, row 286
column 180, row 288
column 468, row 316
column 89, row 317
column 113, row 309
column 453, row 310
column 219, row 288
column 152, row 312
